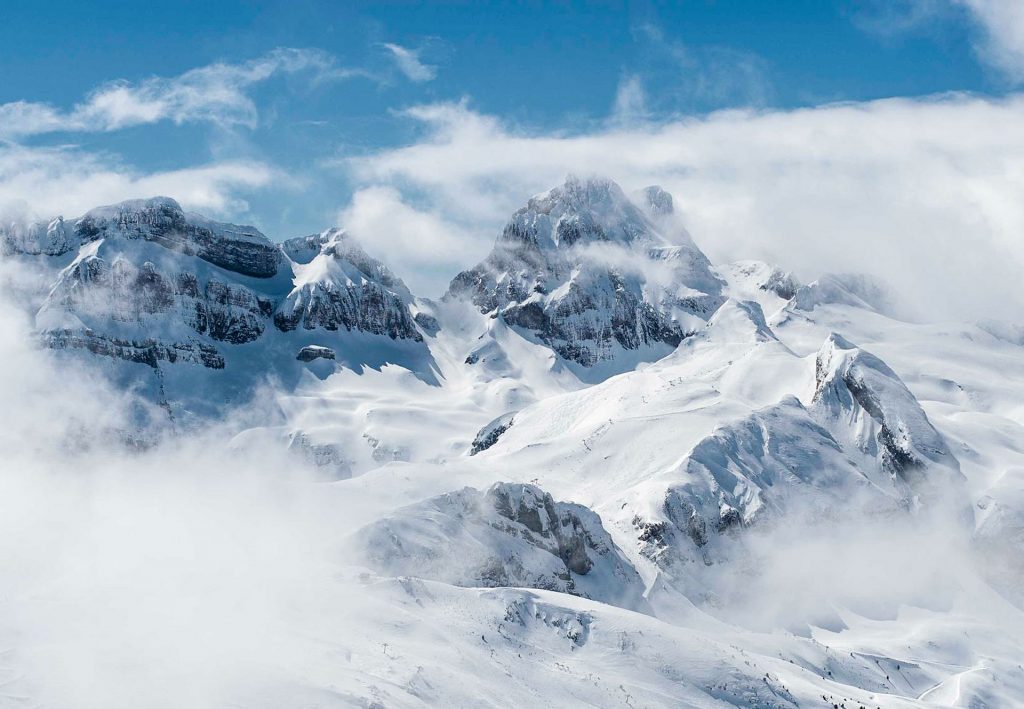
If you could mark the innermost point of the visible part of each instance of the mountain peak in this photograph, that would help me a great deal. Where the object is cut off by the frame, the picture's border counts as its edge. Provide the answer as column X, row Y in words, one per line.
column 593, row 189
column 740, row 321
column 588, row 273
column 658, row 201
column 137, row 205
column 579, row 211
column 161, row 220
column 853, row 384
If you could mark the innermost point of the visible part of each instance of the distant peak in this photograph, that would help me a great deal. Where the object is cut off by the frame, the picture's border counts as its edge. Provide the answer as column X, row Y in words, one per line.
column 594, row 209
column 587, row 191
column 740, row 321
column 161, row 201
column 138, row 205
column 837, row 341
column 658, row 201
column 334, row 235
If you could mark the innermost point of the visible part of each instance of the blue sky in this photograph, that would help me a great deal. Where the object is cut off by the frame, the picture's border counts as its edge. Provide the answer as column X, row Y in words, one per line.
column 296, row 115
column 539, row 62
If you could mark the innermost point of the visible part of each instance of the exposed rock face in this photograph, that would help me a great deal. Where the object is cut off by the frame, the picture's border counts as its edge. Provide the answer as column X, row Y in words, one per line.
column 512, row 535
column 489, row 434
column 658, row 201
column 584, row 269
column 427, row 323
column 312, row 352
column 337, row 286
column 876, row 415
column 52, row 238
column 241, row 249
column 781, row 283
column 758, row 467
column 559, row 532
column 149, row 283
column 95, row 288
column 148, row 351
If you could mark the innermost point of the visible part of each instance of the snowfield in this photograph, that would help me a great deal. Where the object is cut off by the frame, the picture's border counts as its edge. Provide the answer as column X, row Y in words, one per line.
column 599, row 471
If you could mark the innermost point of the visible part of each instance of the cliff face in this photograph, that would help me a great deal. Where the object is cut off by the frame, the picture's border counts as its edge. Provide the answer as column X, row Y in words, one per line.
column 239, row 249
column 146, row 283
column 338, row 286
column 590, row 274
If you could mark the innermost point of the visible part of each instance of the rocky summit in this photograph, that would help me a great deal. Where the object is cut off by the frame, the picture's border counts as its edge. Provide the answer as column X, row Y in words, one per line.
column 588, row 272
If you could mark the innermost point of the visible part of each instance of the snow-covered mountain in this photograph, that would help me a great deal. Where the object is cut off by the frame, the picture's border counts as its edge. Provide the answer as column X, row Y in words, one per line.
column 597, row 469
column 510, row 535
column 145, row 283
column 587, row 272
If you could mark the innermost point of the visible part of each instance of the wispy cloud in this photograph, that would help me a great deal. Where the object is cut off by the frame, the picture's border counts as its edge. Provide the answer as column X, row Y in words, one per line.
column 1002, row 42
column 694, row 77
column 420, row 244
column 217, row 93
column 630, row 101
column 44, row 182
column 998, row 26
column 408, row 62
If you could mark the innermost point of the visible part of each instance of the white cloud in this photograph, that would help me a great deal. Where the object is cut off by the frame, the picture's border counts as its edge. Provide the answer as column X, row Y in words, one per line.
column 125, row 570
column 215, row 93
column 998, row 26
column 408, row 62
column 924, row 193
column 699, row 76
column 630, row 101
column 1002, row 23
column 422, row 247
column 64, row 180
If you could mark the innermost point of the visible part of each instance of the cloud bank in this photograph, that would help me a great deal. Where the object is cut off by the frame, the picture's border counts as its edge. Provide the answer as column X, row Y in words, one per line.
column 921, row 192
column 40, row 183
column 1002, row 42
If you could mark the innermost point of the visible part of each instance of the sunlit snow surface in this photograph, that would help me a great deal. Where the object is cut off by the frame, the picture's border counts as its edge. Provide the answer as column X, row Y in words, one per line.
column 721, row 526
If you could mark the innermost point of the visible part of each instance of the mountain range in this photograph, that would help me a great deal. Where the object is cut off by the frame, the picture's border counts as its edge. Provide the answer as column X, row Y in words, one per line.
column 584, row 442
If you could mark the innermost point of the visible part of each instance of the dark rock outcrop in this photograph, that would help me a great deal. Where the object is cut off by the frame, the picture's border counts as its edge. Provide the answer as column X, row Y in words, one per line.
column 658, row 201
column 312, row 352
column 148, row 351
column 864, row 401
column 489, row 434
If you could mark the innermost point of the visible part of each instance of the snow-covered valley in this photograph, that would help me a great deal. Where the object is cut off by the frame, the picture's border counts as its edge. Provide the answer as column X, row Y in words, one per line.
column 600, row 470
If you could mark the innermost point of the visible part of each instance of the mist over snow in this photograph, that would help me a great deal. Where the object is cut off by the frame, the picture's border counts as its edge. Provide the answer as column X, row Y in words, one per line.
column 681, row 371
